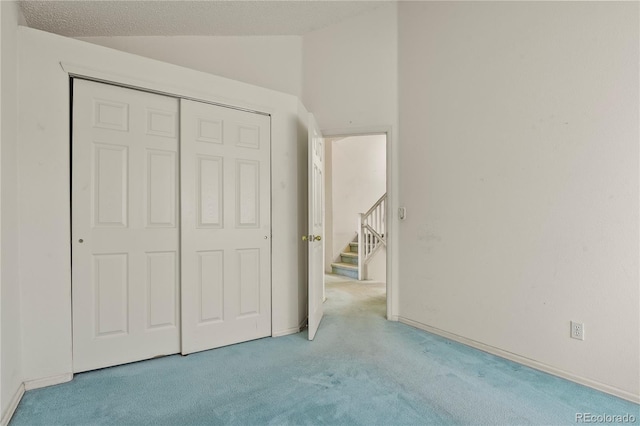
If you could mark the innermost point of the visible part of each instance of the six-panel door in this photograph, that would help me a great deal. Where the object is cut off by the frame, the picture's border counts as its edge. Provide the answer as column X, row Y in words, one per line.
column 125, row 226
column 226, row 231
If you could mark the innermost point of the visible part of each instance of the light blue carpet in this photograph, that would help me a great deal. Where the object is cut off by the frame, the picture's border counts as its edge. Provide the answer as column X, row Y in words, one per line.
column 360, row 370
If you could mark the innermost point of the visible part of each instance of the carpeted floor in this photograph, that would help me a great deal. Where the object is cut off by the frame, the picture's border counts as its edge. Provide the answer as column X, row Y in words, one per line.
column 360, row 370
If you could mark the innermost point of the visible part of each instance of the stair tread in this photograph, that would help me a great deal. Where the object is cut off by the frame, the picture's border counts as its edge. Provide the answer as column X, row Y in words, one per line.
column 345, row 265
column 349, row 254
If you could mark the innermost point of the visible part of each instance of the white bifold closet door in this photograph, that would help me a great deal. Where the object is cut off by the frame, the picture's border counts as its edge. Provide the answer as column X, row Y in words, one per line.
column 226, row 226
column 125, row 226
column 171, row 227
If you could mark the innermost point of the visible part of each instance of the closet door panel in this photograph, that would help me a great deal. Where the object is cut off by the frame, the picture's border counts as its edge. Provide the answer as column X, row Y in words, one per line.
column 226, row 226
column 125, row 235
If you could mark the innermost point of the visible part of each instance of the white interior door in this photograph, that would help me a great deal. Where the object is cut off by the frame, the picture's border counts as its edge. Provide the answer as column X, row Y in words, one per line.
column 125, row 235
column 226, row 226
column 316, row 226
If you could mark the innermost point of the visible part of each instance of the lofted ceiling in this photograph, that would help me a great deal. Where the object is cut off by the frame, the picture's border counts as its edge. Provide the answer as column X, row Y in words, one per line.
column 85, row 18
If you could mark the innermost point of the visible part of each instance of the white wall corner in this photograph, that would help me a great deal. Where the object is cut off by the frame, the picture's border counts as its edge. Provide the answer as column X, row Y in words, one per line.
column 10, row 318
column 293, row 330
column 48, row 381
column 13, row 405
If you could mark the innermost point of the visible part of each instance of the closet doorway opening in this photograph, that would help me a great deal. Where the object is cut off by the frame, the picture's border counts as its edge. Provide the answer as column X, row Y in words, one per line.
column 171, row 225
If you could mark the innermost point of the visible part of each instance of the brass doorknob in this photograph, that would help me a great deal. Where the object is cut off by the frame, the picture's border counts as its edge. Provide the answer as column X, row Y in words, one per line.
column 317, row 238
column 304, row 238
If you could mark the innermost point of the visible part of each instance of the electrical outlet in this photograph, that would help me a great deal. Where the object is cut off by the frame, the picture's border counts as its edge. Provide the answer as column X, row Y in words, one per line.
column 577, row 330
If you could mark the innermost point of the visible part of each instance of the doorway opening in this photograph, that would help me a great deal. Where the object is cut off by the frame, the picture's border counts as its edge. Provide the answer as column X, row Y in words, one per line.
column 356, row 217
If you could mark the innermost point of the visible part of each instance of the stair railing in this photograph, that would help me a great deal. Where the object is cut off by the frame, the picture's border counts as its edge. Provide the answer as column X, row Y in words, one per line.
column 372, row 231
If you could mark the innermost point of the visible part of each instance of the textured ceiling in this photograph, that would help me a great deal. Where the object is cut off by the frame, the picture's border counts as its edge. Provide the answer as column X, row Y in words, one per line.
column 84, row 18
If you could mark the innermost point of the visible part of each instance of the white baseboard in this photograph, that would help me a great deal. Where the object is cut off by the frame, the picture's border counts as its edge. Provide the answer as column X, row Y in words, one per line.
column 48, row 381
column 392, row 318
column 292, row 330
column 620, row 393
column 13, row 405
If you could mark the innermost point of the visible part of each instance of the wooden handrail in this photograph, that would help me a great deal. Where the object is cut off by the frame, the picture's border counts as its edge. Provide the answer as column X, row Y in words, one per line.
column 376, row 204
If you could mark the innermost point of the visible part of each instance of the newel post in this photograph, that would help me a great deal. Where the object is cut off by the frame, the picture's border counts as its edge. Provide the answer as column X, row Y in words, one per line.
column 360, row 246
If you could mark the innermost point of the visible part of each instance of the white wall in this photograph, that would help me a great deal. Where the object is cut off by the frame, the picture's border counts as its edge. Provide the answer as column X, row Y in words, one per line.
column 350, row 71
column 358, row 175
column 10, row 319
column 273, row 62
column 44, row 183
column 519, row 170
column 350, row 82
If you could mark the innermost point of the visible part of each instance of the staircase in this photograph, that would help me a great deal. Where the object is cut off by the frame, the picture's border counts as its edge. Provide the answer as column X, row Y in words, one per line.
column 369, row 239
column 348, row 265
